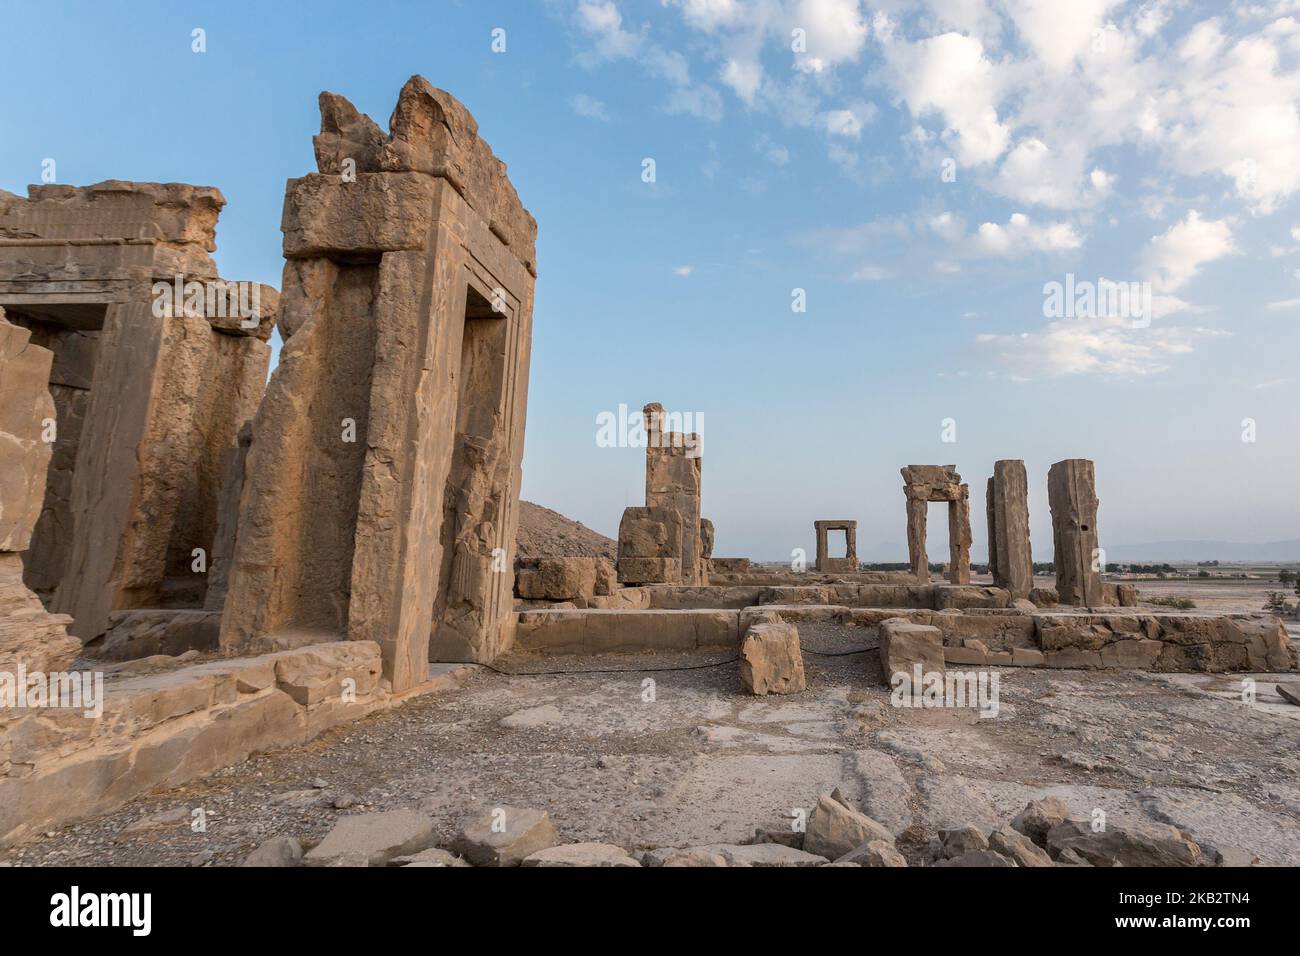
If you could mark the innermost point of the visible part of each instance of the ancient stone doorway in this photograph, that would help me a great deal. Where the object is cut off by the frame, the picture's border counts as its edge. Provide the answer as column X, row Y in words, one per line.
column 71, row 331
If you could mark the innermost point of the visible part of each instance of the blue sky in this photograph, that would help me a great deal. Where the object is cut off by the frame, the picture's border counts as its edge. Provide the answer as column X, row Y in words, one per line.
column 798, row 144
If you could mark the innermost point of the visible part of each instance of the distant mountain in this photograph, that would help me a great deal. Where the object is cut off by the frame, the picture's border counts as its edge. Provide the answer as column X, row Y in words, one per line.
column 1204, row 551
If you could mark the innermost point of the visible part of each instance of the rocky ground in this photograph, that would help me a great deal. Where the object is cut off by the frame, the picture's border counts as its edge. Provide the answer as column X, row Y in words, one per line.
column 544, row 533
column 660, row 750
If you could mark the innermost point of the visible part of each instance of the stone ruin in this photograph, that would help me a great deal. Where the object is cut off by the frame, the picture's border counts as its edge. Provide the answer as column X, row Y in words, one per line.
column 923, row 484
column 666, row 541
column 824, row 560
column 323, row 545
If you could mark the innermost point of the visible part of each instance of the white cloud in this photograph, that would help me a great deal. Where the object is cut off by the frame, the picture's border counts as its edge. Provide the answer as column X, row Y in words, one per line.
column 835, row 32
column 744, row 78
column 1058, row 32
column 949, row 75
column 1021, row 235
column 1108, row 346
column 1172, row 258
column 683, row 271
column 1284, row 304
column 708, row 15
column 589, row 107
column 871, row 273
column 848, row 122
column 602, row 22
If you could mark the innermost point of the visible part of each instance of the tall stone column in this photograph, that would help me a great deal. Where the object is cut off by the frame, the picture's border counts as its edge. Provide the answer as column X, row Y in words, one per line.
column 959, row 538
column 1072, row 495
column 917, row 511
column 672, row 480
column 1010, row 560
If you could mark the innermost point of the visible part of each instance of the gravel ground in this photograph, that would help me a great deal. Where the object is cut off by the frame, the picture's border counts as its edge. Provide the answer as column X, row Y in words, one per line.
column 666, row 751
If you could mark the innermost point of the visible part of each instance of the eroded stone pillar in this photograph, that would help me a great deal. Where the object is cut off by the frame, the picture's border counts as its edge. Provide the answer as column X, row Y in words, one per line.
column 29, row 636
column 1010, row 559
column 381, row 489
column 1072, row 495
column 672, row 480
column 959, row 538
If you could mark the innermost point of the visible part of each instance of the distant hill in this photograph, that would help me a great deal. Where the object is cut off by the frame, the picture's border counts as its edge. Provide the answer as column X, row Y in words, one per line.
column 1204, row 551
column 544, row 533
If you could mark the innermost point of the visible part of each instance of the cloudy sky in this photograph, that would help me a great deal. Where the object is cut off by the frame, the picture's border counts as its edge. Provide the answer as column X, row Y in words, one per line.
column 827, row 227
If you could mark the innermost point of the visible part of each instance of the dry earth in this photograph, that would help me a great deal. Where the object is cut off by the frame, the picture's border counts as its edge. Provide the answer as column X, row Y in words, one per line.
column 702, row 764
column 544, row 533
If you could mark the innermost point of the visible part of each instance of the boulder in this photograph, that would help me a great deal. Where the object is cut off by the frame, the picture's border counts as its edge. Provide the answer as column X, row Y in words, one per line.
column 504, row 836
column 1039, row 816
column 770, row 660
column 1148, row 844
column 375, row 838
column 904, row 645
column 978, row 858
column 430, row 857
column 277, row 851
column 834, row 829
column 1016, row 846
column 957, row 841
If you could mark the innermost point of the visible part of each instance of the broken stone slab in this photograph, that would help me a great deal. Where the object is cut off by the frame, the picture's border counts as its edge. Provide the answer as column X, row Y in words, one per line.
column 557, row 579
column 874, row 853
column 277, row 851
column 835, row 829
column 1289, row 693
column 1147, row 844
column 755, row 854
column 375, row 837
column 903, row 645
column 771, row 661
column 505, row 836
column 981, row 858
column 1016, row 846
column 430, row 857
column 581, row 854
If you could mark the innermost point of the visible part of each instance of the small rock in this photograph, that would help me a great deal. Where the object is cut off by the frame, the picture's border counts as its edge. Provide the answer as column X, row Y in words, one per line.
column 1290, row 693
column 978, row 858
column 1039, row 816
column 202, row 858
column 344, row 801
column 1014, row 844
column 374, row 837
column 319, row 783
column 956, row 841
column 1071, row 858
column 504, row 836
column 277, row 851
column 785, row 837
column 874, row 853
column 430, row 857
column 167, row 818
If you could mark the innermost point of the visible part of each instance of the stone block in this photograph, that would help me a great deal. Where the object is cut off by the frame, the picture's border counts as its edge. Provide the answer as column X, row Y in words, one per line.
column 770, row 660
column 903, row 645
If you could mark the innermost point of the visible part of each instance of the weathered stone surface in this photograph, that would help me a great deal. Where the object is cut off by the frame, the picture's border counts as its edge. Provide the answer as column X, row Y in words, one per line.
column 739, row 855
column 1039, row 816
column 1072, row 495
column 706, row 542
column 955, row 841
column 1010, row 559
column 557, row 579
column 771, row 661
column 142, row 633
column 581, row 854
column 1289, row 692
column 430, row 857
column 376, row 837
column 835, row 829
column 594, row 631
column 874, row 853
column 505, row 836
column 26, row 409
column 277, row 851
column 1148, row 844
column 903, row 645
column 983, row 858
column 1016, row 846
